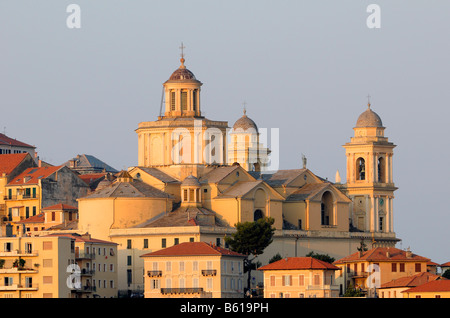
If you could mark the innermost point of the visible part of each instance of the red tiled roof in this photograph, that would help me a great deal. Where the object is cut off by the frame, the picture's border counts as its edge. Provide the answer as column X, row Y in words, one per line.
column 40, row 218
column 299, row 263
column 8, row 162
column 33, row 175
column 60, row 206
column 89, row 177
column 446, row 264
column 193, row 248
column 441, row 285
column 380, row 254
column 5, row 140
column 411, row 281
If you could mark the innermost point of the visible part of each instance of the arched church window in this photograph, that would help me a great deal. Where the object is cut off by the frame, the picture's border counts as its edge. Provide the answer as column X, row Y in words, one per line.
column 361, row 169
column 326, row 209
column 258, row 214
column 381, row 169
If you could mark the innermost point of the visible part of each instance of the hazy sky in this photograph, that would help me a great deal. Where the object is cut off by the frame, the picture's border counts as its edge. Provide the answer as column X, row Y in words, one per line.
column 304, row 67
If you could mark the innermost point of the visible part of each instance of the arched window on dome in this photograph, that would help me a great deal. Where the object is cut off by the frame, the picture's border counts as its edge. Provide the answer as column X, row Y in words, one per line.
column 360, row 169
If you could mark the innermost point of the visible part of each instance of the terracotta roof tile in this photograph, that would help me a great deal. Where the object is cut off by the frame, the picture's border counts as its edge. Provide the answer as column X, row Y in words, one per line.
column 411, row 281
column 382, row 254
column 8, row 162
column 440, row 285
column 193, row 249
column 33, row 175
column 5, row 140
column 60, row 206
column 40, row 218
column 299, row 263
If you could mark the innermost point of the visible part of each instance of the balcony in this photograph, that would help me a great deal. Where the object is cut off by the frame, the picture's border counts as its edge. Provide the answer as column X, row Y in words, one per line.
column 322, row 287
column 209, row 272
column 19, row 287
column 81, row 255
column 16, row 270
column 87, row 272
column 154, row 273
column 194, row 290
column 18, row 253
column 85, row 289
column 357, row 274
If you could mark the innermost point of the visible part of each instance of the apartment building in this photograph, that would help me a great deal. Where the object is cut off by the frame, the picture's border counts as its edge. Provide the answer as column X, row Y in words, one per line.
column 96, row 265
column 35, row 267
column 368, row 270
column 194, row 270
column 299, row 277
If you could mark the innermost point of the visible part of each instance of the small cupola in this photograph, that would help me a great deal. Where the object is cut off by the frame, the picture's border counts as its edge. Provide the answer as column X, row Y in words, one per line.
column 190, row 192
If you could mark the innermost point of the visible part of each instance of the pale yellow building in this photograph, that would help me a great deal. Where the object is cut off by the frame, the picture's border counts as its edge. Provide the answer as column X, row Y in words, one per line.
column 300, row 277
column 96, row 265
column 434, row 289
column 396, row 287
column 44, row 271
column 194, row 270
column 53, row 265
column 369, row 270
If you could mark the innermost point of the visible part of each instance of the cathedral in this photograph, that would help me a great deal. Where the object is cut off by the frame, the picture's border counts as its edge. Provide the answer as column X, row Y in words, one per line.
column 197, row 178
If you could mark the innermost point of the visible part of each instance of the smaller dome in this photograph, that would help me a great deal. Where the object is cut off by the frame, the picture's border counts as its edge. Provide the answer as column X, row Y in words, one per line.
column 190, row 181
column 182, row 74
column 244, row 123
column 369, row 119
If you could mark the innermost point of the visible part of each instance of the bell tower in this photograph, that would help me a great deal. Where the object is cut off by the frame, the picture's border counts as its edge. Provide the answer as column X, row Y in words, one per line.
column 182, row 92
column 370, row 182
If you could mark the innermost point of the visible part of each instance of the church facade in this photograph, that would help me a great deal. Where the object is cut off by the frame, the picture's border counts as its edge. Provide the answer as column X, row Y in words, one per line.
column 195, row 180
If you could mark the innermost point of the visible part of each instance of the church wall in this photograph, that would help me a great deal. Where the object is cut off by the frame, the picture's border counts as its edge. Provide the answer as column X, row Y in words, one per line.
column 96, row 217
column 130, row 212
column 295, row 211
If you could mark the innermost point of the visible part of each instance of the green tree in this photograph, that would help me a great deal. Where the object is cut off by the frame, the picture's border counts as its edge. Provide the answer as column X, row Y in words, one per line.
column 251, row 238
column 352, row 292
column 322, row 257
column 275, row 258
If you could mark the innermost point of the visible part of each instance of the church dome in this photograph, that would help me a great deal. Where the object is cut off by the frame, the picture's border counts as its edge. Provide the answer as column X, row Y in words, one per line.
column 182, row 73
column 190, row 181
column 369, row 119
column 244, row 123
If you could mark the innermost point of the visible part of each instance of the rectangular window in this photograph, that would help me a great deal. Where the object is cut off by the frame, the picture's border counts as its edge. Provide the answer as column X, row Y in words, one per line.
column 184, row 100
column 129, row 260
column 34, row 210
column 47, row 279
column 418, row 267
column 176, row 241
column 34, row 192
column 194, row 100
column 47, row 245
column 145, row 243
column 128, row 244
column 53, row 216
column 301, row 280
column 27, row 212
column 394, row 267
column 402, row 267
column 172, row 101
column 316, row 280
column 181, row 266
column 163, row 243
column 129, row 277
column 168, row 266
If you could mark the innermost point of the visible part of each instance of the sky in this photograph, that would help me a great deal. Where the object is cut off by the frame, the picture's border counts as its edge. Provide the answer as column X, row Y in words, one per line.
column 302, row 67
